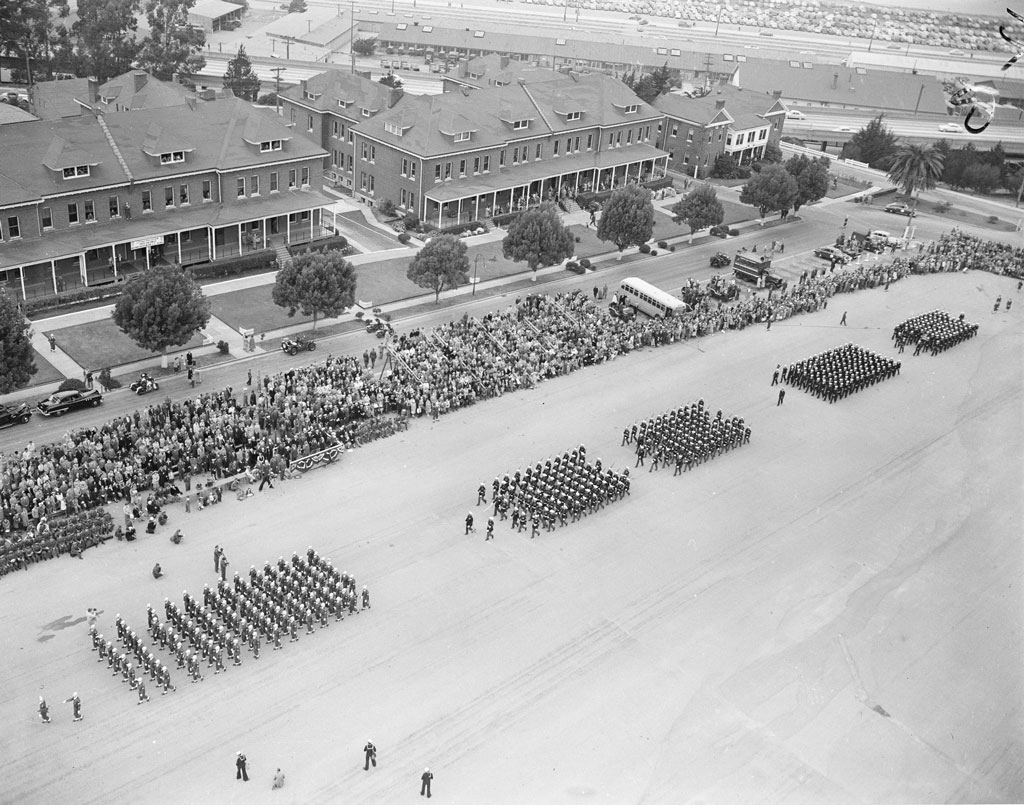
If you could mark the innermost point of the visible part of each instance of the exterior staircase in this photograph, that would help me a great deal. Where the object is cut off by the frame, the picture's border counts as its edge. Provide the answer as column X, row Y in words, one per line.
column 571, row 205
column 283, row 258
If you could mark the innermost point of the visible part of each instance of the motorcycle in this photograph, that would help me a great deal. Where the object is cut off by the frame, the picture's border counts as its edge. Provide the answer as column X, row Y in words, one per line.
column 144, row 385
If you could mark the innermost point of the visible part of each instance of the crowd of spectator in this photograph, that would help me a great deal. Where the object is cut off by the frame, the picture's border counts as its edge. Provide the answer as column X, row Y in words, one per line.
column 263, row 429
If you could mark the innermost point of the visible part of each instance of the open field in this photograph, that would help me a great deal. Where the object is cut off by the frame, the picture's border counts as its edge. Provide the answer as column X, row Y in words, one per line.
column 831, row 613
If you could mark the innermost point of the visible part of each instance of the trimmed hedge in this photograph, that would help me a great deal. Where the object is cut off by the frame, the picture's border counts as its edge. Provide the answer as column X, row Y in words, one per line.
column 331, row 243
column 31, row 306
column 645, row 248
column 585, row 262
column 458, row 229
column 404, row 237
column 575, row 267
column 233, row 266
column 505, row 218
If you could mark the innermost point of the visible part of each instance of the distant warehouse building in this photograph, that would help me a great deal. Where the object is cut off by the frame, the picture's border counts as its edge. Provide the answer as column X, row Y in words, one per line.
column 213, row 15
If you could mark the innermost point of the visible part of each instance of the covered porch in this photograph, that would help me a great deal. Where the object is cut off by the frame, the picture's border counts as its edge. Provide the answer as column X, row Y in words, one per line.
column 519, row 187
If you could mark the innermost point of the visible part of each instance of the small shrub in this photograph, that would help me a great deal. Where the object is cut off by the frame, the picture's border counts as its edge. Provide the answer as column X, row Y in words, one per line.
column 270, row 99
column 335, row 242
column 645, row 248
column 72, row 384
column 577, row 237
column 387, row 207
column 654, row 252
column 993, row 219
column 107, row 382
column 585, row 262
column 404, row 237
column 662, row 244
column 232, row 266
column 411, row 221
column 222, row 346
column 734, row 232
column 505, row 218
column 360, row 314
column 376, row 310
column 671, row 248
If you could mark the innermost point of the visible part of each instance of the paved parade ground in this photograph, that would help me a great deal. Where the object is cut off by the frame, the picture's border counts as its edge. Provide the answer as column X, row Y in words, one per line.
column 830, row 614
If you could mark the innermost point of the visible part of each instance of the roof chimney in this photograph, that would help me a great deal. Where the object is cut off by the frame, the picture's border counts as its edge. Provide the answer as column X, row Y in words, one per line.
column 776, row 93
column 835, row 80
column 140, row 79
column 463, row 68
column 395, row 96
column 719, row 103
column 303, row 87
column 503, row 62
column 94, row 89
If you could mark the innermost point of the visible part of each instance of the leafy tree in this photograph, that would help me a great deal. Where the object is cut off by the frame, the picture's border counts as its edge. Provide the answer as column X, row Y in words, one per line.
column 319, row 283
column 539, row 238
column 726, row 167
column 916, row 168
column 955, row 163
column 240, row 77
column 771, row 189
column 812, row 177
column 104, row 34
column 161, row 308
column 391, row 80
column 26, row 31
column 627, row 218
column 440, row 265
column 874, row 144
column 17, row 359
column 699, row 209
column 981, row 178
column 772, row 154
column 365, row 47
column 173, row 46
column 296, row 6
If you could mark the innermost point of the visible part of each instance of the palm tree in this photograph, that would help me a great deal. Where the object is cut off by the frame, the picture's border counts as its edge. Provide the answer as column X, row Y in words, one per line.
column 916, row 168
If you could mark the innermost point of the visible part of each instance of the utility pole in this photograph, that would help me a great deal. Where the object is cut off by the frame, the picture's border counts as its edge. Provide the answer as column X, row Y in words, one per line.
column 352, row 34
column 277, row 87
column 708, row 58
column 719, row 22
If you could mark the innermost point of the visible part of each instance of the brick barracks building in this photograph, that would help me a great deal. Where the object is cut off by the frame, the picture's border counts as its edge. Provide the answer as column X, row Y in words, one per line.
column 90, row 199
column 471, row 154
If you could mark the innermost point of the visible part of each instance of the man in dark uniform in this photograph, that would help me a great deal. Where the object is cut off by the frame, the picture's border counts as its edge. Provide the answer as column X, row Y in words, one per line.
column 469, row 522
column 782, row 396
column 425, row 779
column 371, row 755
column 490, row 529
column 44, row 711
column 481, row 494
column 240, row 771
column 76, row 707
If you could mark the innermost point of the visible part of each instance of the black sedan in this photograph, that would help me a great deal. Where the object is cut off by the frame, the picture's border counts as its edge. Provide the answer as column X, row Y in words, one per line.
column 60, row 402
column 898, row 208
column 14, row 415
column 832, row 253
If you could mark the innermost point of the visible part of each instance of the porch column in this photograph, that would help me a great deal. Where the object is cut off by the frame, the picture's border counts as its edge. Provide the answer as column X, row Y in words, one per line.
column 476, row 209
column 458, row 212
column 239, row 239
column 440, row 214
column 211, row 247
column 311, row 226
column 147, row 248
column 81, row 270
column 21, row 276
column 288, row 229
column 264, row 233
column 113, row 259
column 494, row 203
column 178, row 238
column 53, row 274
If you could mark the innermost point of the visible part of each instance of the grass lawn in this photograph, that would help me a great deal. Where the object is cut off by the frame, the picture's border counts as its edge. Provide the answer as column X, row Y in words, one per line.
column 203, row 361
column 845, row 188
column 974, row 219
column 100, row 343
column 46, row 372
column 354, row 226
column 254, row 307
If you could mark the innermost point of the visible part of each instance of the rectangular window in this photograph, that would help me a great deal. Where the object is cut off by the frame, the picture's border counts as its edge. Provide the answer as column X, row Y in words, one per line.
column 647, row 133
column 618, row 138
column 576, row 145
column 462, row 136
column 292, row 177
column 371, row 184
column 412, row 170
column 334, row 157
column 183, row 197
column 447, row 170
column 14, row 225
column 90, row 212
column 338, row 130
column 309, row 122
column 462, row 167
column 405, row 168
column 554, row 149
column 629, row 137
column 113, row 207
column 362, row 180
column 675, row 130
column 273, row 182
column 487, row 164
column 611, row 138
column 689, row 135
column 515, row 155
column 521, row 124
column 305, row 177
column 538, row 151
column 72, row 213
column 47, row 217
column 350, row 160
column 501, row 159
column 254, row 184
column 168, row 197
column 763, row 134
column 365, row 151
column 147, row 201
column 476, row 165
column 573, row 116
column 240, row 187
column 207, row 190
column 590, row 141
column 437, row 172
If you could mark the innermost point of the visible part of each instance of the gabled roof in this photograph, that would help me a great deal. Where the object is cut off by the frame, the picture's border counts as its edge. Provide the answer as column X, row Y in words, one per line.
column 53, row 100
column 11, row 113
column 137, row 89
column 488, row 112
column 34, row 151
column 843, row 85
column 334, row 85
column 743, row 109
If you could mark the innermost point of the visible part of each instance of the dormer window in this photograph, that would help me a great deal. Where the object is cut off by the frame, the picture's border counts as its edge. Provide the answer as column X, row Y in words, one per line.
column 521, row 124
column 78, row 170
column 309, row 96
column 270, row 145
column 631, row 109
column 344, row 104
column 476, row 76
column 499, row 83
column 172, row 157
column 364, row 111
column 462, row 136
column 572, row 116
column 393, row 128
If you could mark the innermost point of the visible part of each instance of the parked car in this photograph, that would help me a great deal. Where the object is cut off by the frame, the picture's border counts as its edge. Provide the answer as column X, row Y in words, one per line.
column 622, row 311
column 11, row 415
column 845, row 130
column 795, row 114
column 720, row 260
column 301, row 343
column 60, row 402
column 899, row 208
column 832, row 253
column 950, row 127
column 720, row 231
column 883, row 237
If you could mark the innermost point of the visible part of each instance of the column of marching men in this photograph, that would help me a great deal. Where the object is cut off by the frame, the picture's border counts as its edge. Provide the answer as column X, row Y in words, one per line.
column 278, row 602
column 685, row 437
column 554, row 492
column 841, row 372
column 935, row 331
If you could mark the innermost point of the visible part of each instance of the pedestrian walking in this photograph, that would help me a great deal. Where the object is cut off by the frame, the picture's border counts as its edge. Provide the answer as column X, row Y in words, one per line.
column 278, row 779
column 44, row 711
column 191, row 376
column 469, row 522
column 88, row 379
column 248, row 381
column 490, row 529
column 76, row 707
column 425, row 779
column 217, row 554
column 241, row 773
column 842, row 321
column 53, row 342
column 782, row 396
column 370, row 751
column 775, row 376
column 366, row 598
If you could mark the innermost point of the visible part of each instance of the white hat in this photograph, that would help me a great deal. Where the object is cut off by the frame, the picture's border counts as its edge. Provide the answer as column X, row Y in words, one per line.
column 74, row 695
column 427, row 769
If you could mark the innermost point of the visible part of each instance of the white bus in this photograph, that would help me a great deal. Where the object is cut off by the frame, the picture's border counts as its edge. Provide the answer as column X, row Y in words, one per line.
column 650, row 300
